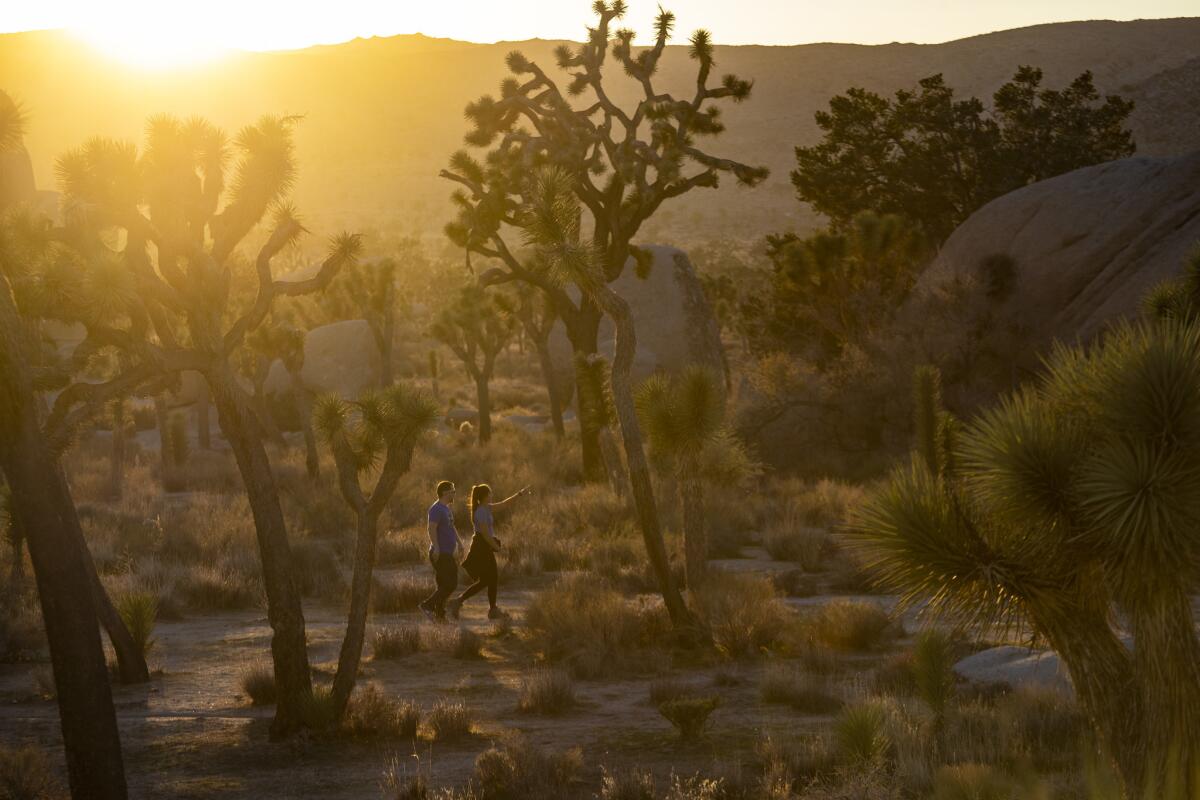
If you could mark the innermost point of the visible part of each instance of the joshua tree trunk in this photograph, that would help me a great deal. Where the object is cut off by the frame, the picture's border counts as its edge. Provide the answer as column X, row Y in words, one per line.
column 43, row 503
column 116, row 486
column 203, row 423
column 639, row 469
column 164, row 443
column 265, row 420
column 583, row 330
column 548, row 375
column 360, row 603
column 293, row 677
column 484, row 398
column 618, row 479
column 695, row 539
column 312, row 459
column 131, row 661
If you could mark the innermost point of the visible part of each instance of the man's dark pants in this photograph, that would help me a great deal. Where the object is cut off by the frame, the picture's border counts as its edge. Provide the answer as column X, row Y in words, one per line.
column 445, row 570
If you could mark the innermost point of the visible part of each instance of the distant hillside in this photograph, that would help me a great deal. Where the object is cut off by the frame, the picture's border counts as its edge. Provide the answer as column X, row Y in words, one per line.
column 382, row 115
column 1167, row 121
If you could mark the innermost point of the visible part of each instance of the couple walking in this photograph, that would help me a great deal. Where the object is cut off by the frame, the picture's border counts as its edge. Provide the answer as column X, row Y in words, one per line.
column 445, row 546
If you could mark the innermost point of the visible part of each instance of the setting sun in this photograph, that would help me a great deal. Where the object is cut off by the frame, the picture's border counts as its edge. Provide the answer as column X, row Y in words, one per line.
column 161, row 48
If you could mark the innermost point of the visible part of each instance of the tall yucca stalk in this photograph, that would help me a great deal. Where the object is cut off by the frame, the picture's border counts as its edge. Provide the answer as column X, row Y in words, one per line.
column 684, row 420
column 1072, row 499
column 378, row 431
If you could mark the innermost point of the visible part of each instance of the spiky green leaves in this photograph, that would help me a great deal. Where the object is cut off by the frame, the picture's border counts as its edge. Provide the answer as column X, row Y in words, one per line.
column 550, row 224
column 360, row 431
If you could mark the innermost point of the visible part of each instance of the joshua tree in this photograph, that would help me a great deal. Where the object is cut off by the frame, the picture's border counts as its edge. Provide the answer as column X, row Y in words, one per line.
column 285, row 342
column 597, row 413
column 1067, row 500
column 935, row 429
column 387, row 422
column 684, row 419
column 550, row 222
column 475, row 329
column 534, row 309
column 623, row 163
column 174, row 195
column 55, row 540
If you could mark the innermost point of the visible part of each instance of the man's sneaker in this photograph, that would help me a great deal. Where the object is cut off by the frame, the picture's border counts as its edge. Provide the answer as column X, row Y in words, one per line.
column 496, row 613
column 428, row 611
column 454, row 608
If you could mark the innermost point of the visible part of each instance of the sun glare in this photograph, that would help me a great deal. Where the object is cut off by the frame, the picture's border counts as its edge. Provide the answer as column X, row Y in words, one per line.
column 152, row 47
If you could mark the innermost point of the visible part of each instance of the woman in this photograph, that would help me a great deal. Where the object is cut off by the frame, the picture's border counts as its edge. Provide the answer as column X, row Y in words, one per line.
column 480, row 562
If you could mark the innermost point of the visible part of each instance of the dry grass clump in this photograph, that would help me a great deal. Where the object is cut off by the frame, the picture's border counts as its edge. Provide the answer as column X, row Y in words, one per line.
column 448, row 720
column 462, row 643
column 979, row 782
column 795, row 583
column 258, row 684
column 399, row 595
column 806, row 546
column 318, row 571
column 520, row 771
column 26, row 774
column 853, row 625
column 396, row 641
column 634, row 784
column 742, row 611
column 407, row 546
column 689, row 715
column 790, row 686
column 547, row 691
column 825, row 504
column 861, row 733
column 22, row 635
column 372, row 714
column 584, row 624
column 205, row 588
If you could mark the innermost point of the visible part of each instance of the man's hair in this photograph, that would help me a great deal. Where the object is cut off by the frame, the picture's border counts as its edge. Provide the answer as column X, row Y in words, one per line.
column 443, row 487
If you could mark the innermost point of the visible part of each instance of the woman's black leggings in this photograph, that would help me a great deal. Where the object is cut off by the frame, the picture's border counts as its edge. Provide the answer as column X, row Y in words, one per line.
column 488, row 578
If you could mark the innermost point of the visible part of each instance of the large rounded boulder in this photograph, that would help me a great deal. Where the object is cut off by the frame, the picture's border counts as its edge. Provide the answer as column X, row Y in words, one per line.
column 1075, row 252
column 340, row 358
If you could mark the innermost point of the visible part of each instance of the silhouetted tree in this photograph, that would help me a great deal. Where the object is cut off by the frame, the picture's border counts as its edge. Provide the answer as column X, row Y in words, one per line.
column 550, row 223
column 624, row 163
column 935, row 159
column 534, row 309
column 1073, row 498
column 385, row 423
column 174, row 195
column 476, row 330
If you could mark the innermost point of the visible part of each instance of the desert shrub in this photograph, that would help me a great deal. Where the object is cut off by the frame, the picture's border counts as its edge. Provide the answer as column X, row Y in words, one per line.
column 668, row 688
column 861, row 733
column 462, row 643
column 586, row 625
column 634, row 784
column 547, row 691
column 1048, row 725
column 520, row 771
column 408, row 546
column 317, row 570
column 448, row 720
column 806, row 546
column 139, row 611
column 852, row 625
column 790, row 686
column 742, row 611
column 322, row 512
column 21, row 631
column 795, row 583
column 317, row 710
column 258, row 684
column 589, row 511
column 933, row 671
column 894, row 677
column 372, row 714
column 689, row 715
column 802, row 760
column 205, row 588
column 976, row 782
column 397, row 641
column 398, row 596
column 25, row 774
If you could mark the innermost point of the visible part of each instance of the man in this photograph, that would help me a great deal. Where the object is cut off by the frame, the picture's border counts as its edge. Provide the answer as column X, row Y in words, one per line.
column 443, row 553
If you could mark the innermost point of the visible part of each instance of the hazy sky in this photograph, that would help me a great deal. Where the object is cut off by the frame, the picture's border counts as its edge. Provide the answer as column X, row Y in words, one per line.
column 169, row 28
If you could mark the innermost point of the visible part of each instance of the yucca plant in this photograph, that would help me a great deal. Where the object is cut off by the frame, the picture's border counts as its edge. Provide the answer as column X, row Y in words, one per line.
column 861, row 733
column 1071, row 499
column 139, row 610
column 684, row 420
column 933, row 673
column 378, row 431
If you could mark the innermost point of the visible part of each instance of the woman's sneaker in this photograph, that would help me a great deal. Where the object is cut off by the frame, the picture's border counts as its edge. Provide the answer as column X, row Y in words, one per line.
column 428, row 611
column 454, row 608
column 495, row 613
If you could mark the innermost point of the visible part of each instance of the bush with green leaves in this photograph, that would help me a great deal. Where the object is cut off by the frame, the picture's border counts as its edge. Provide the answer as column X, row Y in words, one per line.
column 139, row 612
column 1072, row 498
column 861, row 733
column 933, row 672
column 689, row 715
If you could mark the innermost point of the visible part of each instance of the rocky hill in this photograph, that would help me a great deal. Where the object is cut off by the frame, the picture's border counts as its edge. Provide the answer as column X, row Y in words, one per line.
column 1168, row 111
column 382, row 115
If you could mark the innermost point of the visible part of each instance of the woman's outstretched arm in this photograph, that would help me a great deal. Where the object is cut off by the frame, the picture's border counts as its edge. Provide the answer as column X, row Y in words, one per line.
column 510, row 498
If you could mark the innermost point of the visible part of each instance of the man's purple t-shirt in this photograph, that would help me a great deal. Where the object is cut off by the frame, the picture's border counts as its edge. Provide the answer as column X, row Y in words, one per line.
column 447, row 536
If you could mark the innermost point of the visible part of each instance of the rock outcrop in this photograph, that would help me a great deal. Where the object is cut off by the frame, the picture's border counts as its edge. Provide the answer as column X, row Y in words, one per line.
column 1082, row 248
column 340, row 357
column 1016, row 667
column 675, row 324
